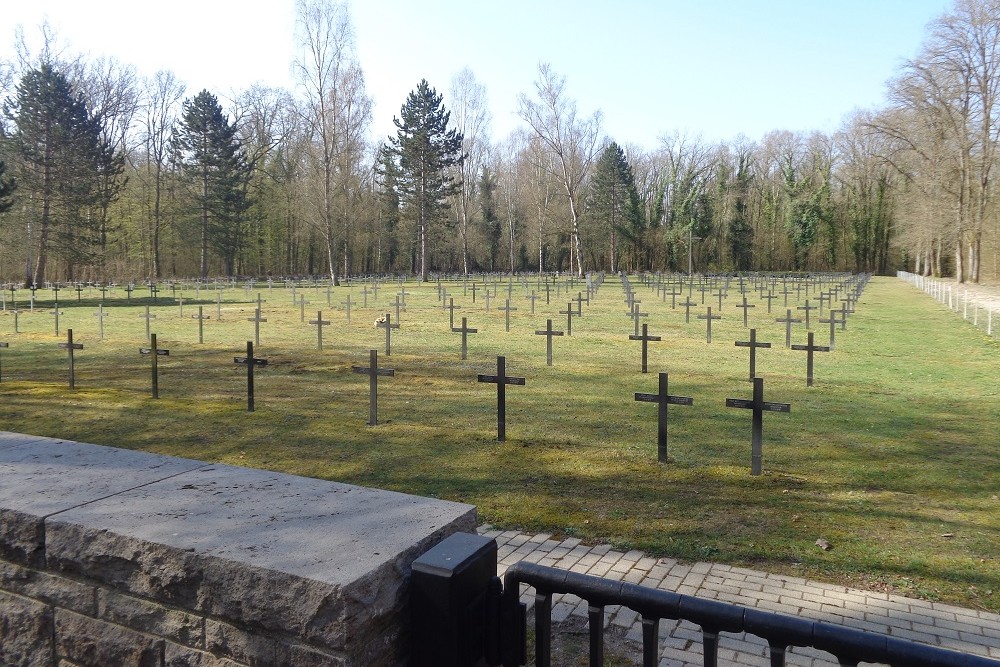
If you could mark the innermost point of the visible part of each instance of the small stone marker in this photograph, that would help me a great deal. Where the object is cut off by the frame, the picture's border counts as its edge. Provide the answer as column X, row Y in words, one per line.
column 809, row 349
column 548, row 333
column 501, row 380
column 319, row 322
column 70, row 347
column 753, row 345
column 100, row 315
column 256, row 319
column 201, row 323
column 645, row 338
column 387, row 324
column 3, row 346
column 249, row 361
column 154, row 353
column 373, row 371
column 465, row 331
column 788, row 321
column 708, row 317
column 663, row 398
column 759, row 406
column 507, row 308
column 148, row 317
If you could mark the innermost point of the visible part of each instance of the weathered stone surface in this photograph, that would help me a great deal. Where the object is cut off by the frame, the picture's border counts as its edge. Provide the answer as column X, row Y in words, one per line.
column 225, row 640
column 43, row 476
column 315, row 559
column 55, row 590
column 184, row 628
column 175, row 655
column 93, row 643
column 25, row 632
column 299, row 655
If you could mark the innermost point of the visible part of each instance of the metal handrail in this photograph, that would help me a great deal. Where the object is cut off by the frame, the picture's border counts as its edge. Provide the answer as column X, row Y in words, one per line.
column 850, row 646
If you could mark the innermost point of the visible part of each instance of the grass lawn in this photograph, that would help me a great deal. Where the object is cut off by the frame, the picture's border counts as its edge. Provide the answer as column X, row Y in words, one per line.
column 892, row 457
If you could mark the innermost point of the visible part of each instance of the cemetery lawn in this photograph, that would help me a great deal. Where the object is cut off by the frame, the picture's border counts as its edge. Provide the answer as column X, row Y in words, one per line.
column 892, row 457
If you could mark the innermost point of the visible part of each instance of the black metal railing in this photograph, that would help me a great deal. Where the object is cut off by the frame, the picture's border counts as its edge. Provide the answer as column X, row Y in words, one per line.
column 848, row 645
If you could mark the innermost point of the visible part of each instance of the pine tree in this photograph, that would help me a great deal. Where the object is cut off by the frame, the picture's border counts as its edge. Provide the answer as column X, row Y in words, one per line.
column 426, row 151
column 59, row 160
column 741, row 232
column 7, row 187
column 491, row 223
column 216, row 170
column 614, row 200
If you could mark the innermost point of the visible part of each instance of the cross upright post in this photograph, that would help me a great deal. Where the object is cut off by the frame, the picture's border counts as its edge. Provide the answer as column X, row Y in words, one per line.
column 147, row 317
column 663, row 398
column 70, row 347
column 373, row 372
column 809, row 349
column 319, row 322
column 746, row 309
column 256, row 319
column 56, row 312
column 302, row 308
column 465, row 331
column 201, row 317
column 501, row 380
column 347, row 307
column 100, row 315
column 451, row 312
column 534, row 297
column 687, row 309
column 250, row 362
column 3, row 346
column 807, row 308
column 788, row 321
column 154, row 353
column 548, row 332
column 753, row 345
column 645, row 338
column 759, row 407
column 708, row 317
column 388, row 326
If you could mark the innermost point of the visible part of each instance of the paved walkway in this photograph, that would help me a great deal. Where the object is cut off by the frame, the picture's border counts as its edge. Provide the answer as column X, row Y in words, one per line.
column 933, row 623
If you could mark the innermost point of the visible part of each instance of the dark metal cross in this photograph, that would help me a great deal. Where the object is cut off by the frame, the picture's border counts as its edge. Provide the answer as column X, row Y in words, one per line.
column 148, row 317
column 79, row 292
column 100, row 315
column 465, row 331
column 807, row 308
column 753, row 345
column 663, row 398
column 788, row 321
column 548, row 333
column 451, row 312
column 249, row 361
column 809, row 349
column 634, row 315
column 474, row 288
column 771, row 296
column 645, row 338
column 507, row 308
column 579, row 303
column 759, row 407
column 201, row 323
column 155, row 353
column 832, row 321
column 569, row 318
column 687, row 309
column 708, row 317
column 319, row 322
column 534, row 297
column 256, row 319
column 388, row 326
column 746, row 308
column 70, row 346
column 501, row 380
column 373, row 371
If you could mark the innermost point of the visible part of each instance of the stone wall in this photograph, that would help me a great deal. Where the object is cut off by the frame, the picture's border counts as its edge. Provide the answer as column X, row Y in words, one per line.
column 112, row 557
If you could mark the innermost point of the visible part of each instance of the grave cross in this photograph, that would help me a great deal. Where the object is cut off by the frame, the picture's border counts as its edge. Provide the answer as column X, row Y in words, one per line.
column 373, row 371
column 302, row 308
column 634, row 315
column 474, row 288
column 645, row 338
column 687, row 309
column 100, row 315
column 579, row 303
column 759, row 406
column 753, row 345
column 364, row 293
column 809, row 349
column 771, row 296
column 501, row 380
column 70, row 346
column 180, row 302
column 387, row 324
column 533, row 298
column 57, row 313
column 249, row 361
column 79, row 292
column 663, row 398
column 148, row 317
column 201, row 323
column 506, row 310
column 788, row 321
column 154, row 353
column 465, row 331
column 832, row 321
column 347, row 307
column 451, row 312
column 708, row 317
column 319, row 322
column 548, row 332
column 256, row 319
column 3, row 346
column 746, row 308
column 807, row 308
column 569, row 318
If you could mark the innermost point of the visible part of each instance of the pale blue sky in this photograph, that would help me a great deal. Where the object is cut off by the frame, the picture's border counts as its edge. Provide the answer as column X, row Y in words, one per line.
column 712, row 68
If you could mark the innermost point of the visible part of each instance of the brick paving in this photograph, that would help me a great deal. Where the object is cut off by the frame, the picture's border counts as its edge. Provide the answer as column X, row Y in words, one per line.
column 933, row 623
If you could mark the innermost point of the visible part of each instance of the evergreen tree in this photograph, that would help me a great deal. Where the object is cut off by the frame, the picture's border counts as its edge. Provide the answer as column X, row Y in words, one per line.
column 388, row 203
column 59, row 160
column 216, row 170
column 491, row 223
column 741, row 232
column 7, row 187
column 803, row 214
column 426, row 151
column 614, row 200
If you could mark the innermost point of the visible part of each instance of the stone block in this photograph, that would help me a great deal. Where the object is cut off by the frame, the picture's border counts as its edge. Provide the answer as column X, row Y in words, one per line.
column 175, row 655
column 25, row 632
column 180, row 626
column 229, row 641
column 52, row 589
column 299, row 655
column 90, row 642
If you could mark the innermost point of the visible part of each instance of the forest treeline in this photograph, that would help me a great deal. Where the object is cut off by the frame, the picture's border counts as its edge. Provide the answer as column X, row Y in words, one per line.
column 106, row 174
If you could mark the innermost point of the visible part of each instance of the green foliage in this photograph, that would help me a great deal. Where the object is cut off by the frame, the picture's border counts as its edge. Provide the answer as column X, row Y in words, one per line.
column 741, row 233
column 425, row 151
column 7, row 187
column 614, row 203
column 216, row 172
column 491, row 223
column 803, row 214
